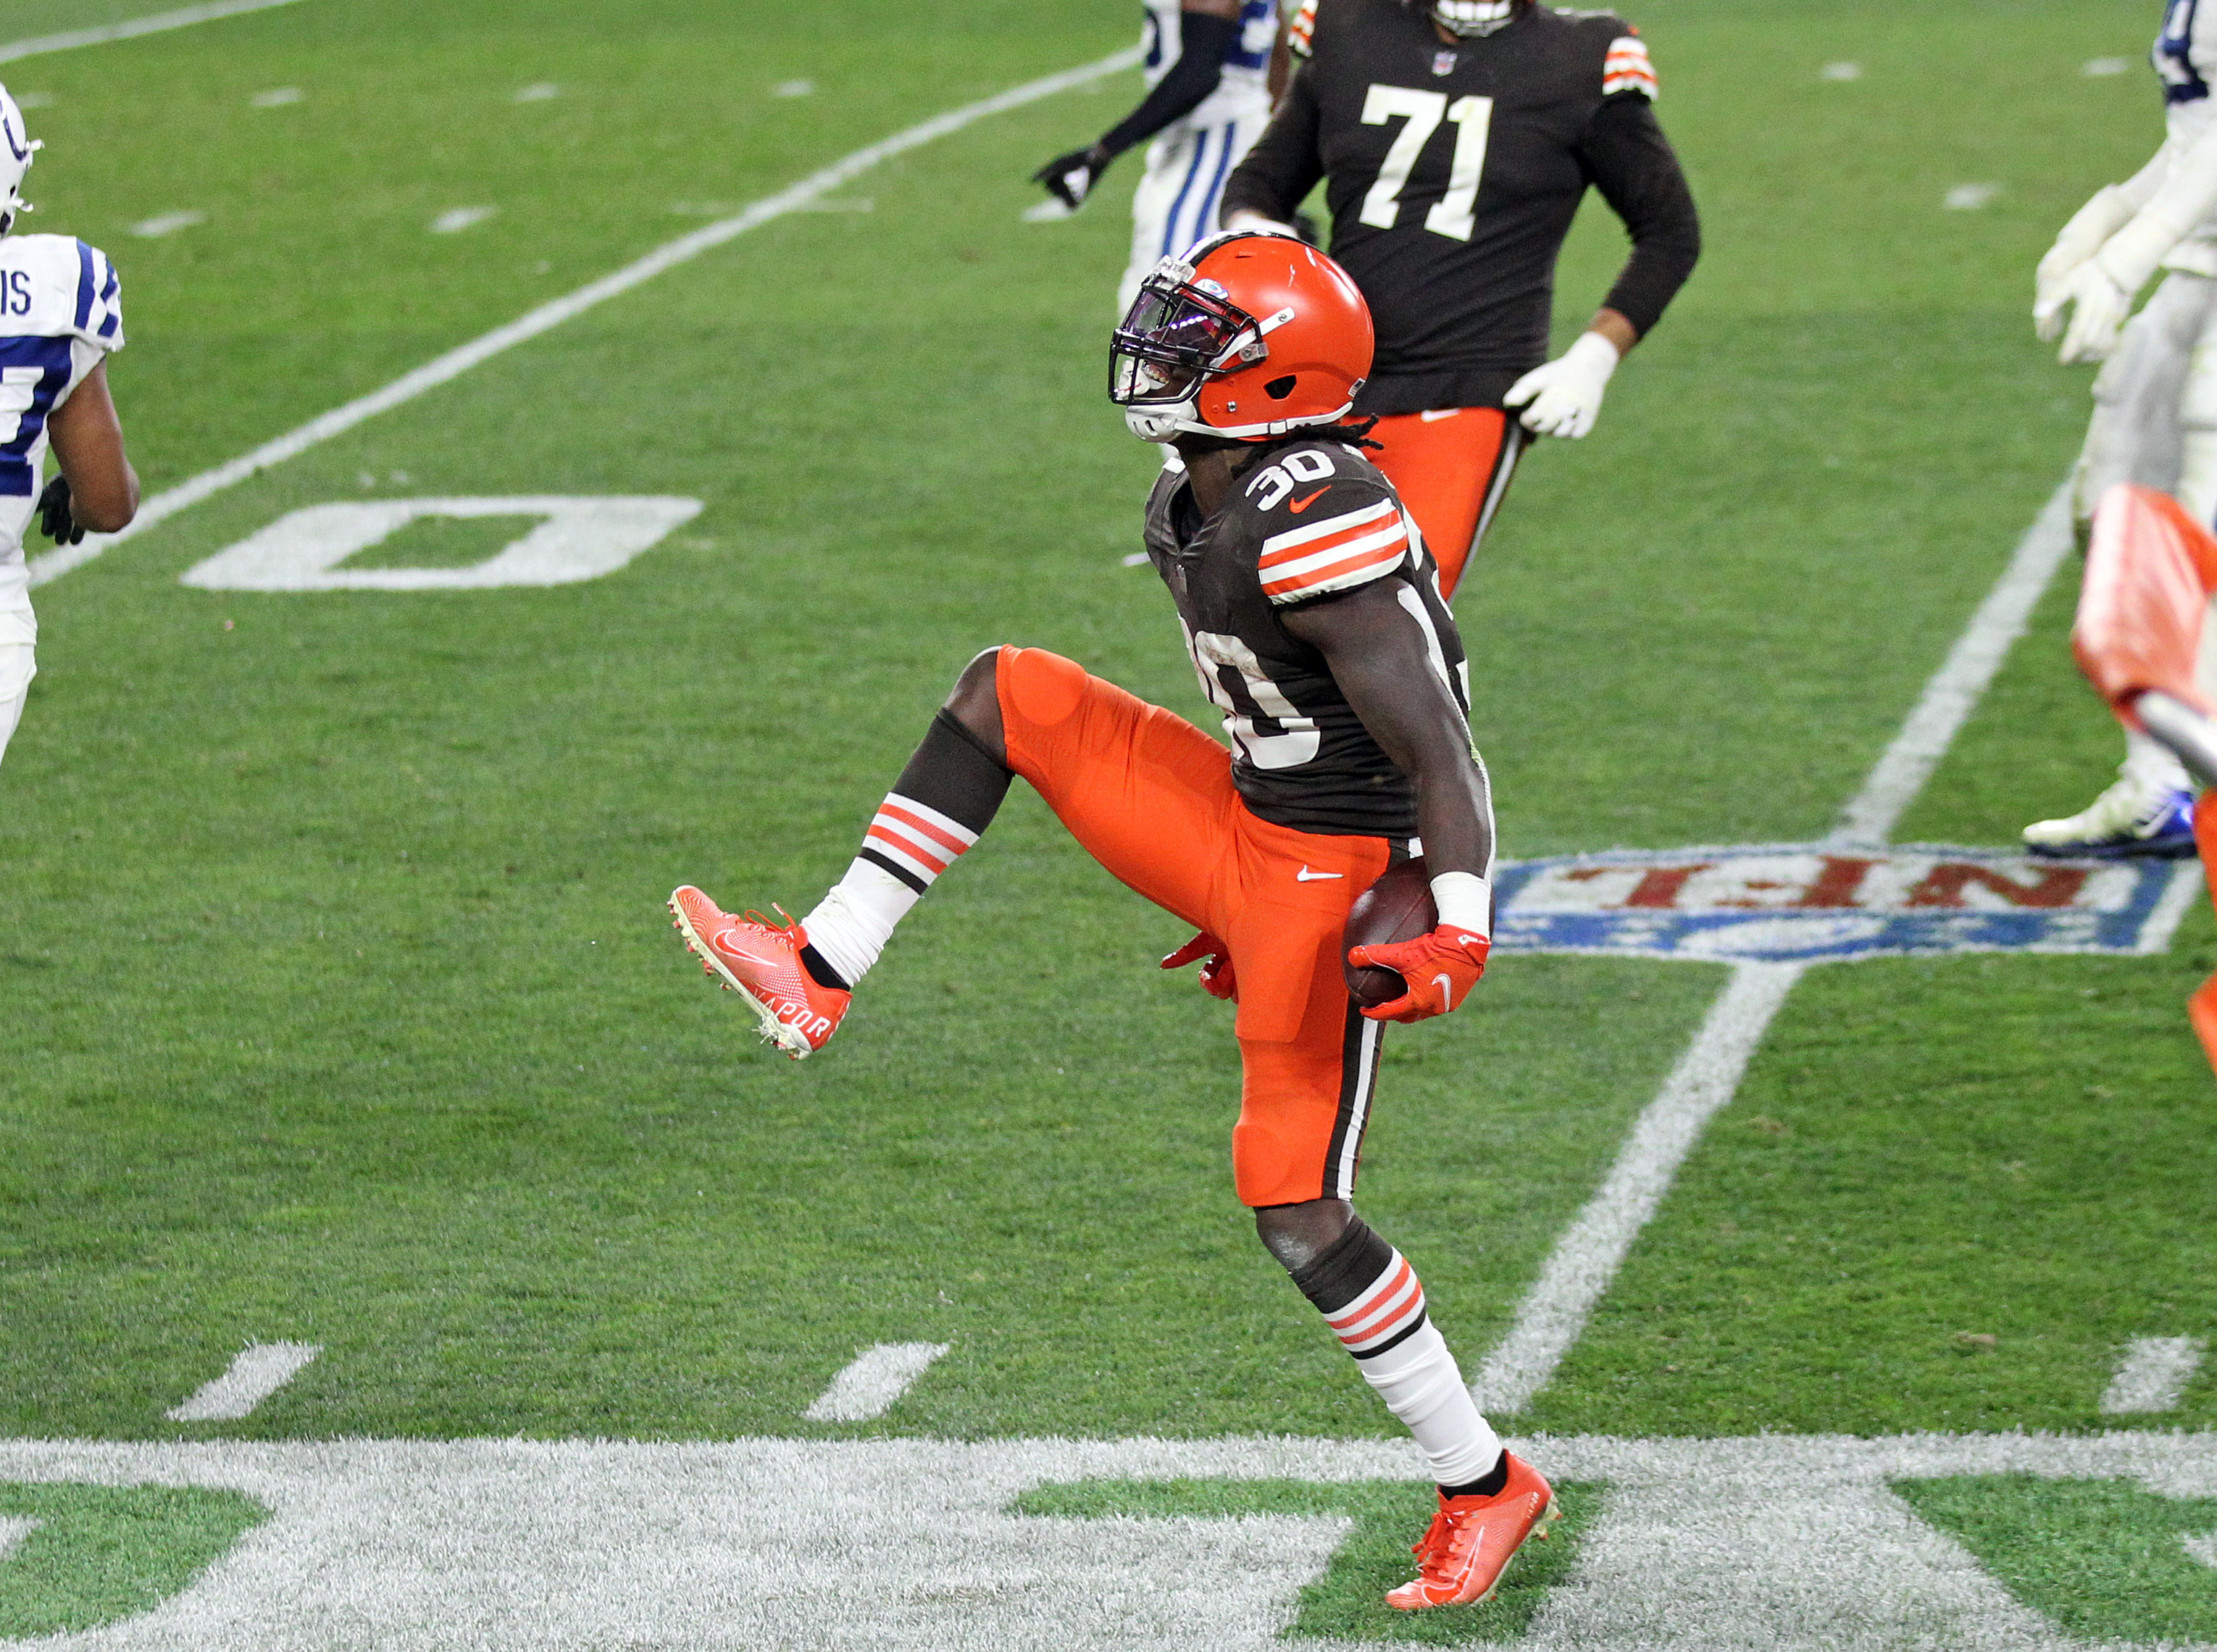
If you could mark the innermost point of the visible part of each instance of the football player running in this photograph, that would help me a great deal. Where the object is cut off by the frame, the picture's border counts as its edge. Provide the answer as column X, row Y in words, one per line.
column 1206, row 66
column 60, row 316
column 1455, row 140
column 1313, row 617
column 2155, row 399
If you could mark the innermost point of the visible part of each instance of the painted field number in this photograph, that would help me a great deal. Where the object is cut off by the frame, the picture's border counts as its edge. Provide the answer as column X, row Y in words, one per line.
column 577, row 539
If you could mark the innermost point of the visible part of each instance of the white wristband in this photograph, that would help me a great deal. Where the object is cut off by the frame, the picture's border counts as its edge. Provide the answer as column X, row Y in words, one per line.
column 1464, row 902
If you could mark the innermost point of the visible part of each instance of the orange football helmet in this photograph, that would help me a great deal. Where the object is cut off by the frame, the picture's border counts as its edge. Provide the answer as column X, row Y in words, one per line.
column 1248, row 336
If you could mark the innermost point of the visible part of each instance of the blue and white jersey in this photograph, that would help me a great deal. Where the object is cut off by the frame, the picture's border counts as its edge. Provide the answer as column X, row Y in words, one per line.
column 2185, row 58
column 1244, row 89
column 61, row 313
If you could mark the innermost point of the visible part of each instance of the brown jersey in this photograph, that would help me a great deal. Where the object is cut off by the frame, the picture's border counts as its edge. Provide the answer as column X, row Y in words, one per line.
column 1309, row 519
column 1453, row 173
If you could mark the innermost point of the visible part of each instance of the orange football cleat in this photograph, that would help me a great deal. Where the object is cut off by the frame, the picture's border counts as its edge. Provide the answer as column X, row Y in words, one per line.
column 761, row 961
column 1473, row 1539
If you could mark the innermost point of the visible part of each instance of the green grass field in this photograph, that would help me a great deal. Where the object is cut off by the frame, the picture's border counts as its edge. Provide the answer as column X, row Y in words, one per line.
column 340, row 1008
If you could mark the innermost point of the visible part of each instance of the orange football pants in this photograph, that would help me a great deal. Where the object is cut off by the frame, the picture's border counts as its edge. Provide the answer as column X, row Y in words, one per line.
column 1451, row 467
column 2201, row 1007
column 1150, row 797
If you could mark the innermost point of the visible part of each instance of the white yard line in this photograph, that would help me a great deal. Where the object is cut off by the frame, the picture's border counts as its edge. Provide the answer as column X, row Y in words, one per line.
column 1585, row 1258
column 260, row 1371
column 869, row 1387
column 1773, row 1544
column 1553, row 1313
column 2152, row 1375
column 1960, row 684
column 184, row 17
column 549, row 316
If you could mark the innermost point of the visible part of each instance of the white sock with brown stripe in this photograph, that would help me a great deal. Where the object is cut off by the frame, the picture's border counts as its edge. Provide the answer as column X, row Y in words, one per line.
column 945, row 798
column 1375, row 1303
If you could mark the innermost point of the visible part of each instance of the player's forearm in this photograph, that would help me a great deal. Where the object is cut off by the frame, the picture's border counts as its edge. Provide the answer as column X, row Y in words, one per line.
column 1454, row 815
column 2181, row 203
column 1283, row 166
column 1640, row 176
column 1198, row 72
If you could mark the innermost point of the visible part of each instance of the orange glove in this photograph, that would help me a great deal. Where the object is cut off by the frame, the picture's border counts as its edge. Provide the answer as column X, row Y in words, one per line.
column 1439, row 969
column 1216, row 977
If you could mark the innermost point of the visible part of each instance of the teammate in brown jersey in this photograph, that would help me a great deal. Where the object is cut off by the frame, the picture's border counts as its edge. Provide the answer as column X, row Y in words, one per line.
column 1316, row 624
column 1455, row 141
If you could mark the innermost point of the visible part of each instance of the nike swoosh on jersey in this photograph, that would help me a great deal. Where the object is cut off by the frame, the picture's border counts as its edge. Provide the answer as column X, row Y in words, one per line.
column 1305, row 876
column 1299, row 505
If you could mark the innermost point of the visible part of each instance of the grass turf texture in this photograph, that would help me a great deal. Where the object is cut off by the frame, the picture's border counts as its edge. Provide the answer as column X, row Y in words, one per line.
column 2106, row 1559
column 396, row 1058
column 1347, row 1604
column 100, row 1553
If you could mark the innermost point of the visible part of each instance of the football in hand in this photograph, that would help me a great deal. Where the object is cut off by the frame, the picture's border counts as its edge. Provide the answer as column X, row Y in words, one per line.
column 1398, row 907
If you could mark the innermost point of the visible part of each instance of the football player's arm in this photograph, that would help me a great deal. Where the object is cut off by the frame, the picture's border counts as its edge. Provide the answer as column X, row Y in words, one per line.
column 98, row 489
column 1381, row 659
column 2108, row 210
column 1633, row 166
column 1207, row 29
column 2101, row 290
column 1266, row 189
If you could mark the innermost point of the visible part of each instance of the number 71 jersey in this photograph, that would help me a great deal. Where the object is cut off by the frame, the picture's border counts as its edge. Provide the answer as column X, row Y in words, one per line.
column 61, row 313
column 1308, row 520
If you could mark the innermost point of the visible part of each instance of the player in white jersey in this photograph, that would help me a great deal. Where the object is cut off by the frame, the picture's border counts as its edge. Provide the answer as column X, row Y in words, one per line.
column 60, row 316
column 2155, row 400
column 1208, row 98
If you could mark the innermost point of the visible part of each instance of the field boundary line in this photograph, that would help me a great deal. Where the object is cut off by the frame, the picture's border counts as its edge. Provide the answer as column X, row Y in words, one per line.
column 546, row 317
column 131, row 29
column 1579, row 1270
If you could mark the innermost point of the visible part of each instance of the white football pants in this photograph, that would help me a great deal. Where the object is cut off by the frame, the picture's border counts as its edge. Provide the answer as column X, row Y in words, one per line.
column 17, row 668
column 2155, row 422
column 1176, row 200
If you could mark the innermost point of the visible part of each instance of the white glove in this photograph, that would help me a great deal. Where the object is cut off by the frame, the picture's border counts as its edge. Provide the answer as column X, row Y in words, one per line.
column 1254, row 223
column 1566, row 393
column 2107, row 212
column 2099, row 308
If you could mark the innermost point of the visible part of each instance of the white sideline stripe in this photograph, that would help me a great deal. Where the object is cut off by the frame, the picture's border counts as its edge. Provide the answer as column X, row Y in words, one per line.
column 2152, row 1375
column 1959, row 683
column 260, row 1369
column 1577, row 1273
column 549, row 316
column 878, row 1378
column 160, row 21
column 1586, row 1258
column 14, row 1528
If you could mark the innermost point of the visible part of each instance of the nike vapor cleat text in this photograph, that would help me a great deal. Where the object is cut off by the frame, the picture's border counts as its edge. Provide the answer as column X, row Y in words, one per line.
column 1473, row 1539
column 761, row 961
column 2129, row 820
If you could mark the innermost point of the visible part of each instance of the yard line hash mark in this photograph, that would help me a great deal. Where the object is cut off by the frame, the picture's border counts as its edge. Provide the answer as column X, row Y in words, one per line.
column 150, row 229
column 14, row 1528
column 260, row 1369
column 460, row 217
column 2152, row 1375
column 38, row 46
column 1579, row 1270
column 870, row 1386
column 444, row 368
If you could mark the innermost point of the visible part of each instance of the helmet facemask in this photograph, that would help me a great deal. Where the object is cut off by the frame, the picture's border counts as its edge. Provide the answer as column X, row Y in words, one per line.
column 1177, row 337
column 1473, row 19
